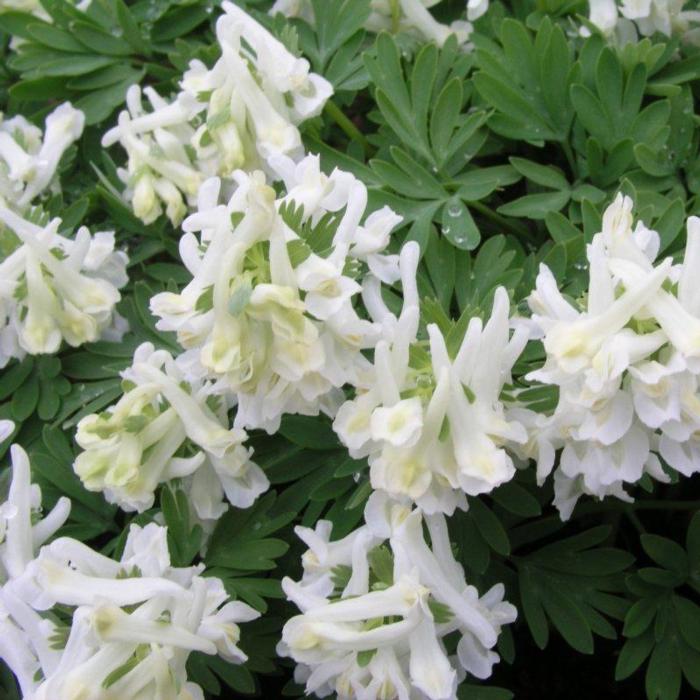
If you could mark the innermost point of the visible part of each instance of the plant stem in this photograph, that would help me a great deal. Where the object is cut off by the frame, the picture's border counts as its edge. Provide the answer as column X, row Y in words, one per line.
column 634, row 519
column 570, row 158
column 502, row 221
column 351, row 131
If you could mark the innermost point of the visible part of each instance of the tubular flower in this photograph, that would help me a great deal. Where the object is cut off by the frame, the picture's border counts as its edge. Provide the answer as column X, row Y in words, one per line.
column 134, row 621
column 626, row 364
column 23, row 633
column 54, row 288
column 433, row 425
column 163, row 428
column 269, row 312
column 238, row 114
column 28, row 158
column 376, row 606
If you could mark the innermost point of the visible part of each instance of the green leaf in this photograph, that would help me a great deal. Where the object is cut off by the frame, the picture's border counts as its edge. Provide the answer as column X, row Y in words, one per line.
column 444, row 118
column 688, row 618
column 24, row 402
column 640, row 617
column 532, row 608
column 178, row 22
column 489, row 526
column 633, row 654
column 132, row 33
column 100, row 41
column 458, row 225
column 516, row 499
column 53, row 37
column 568, row 619
column 536, row 206
column 666, row 553
column 663, row 678
column 546, row 175
column 309, row 432
column 592, row 115
column 670, row 224
column 524, row 121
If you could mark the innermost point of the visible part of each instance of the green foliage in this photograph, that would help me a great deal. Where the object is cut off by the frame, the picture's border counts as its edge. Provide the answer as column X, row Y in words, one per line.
column 91, row 57
column 663, row 624
column 497, row 159
column 573, row 584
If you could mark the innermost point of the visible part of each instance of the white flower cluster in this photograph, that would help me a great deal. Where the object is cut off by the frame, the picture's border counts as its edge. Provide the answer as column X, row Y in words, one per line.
column 163, row 428
column 628, row 18
column 269, row 312
column 238, row 114
column 432, row 423
column 411, row 16
column 55, row 289
column 134, row 622
column 28, row 158
column 377, row 605
column 626, row 362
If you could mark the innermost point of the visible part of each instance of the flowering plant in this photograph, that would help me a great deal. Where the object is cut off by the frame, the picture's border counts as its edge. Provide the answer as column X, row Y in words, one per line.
column 349, row 348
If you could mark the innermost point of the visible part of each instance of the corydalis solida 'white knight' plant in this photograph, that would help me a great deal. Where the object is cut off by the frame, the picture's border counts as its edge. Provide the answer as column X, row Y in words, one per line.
column 164, row 428
column 55, row 289
column 269, row 313
column 29, row 158
column 626, row 364
column 432, row 424
column 376, row 605
column 238, row 114
column 105, row 652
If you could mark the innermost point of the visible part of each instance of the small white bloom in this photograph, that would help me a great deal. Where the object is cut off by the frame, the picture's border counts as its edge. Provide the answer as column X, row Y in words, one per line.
column 133, row 446
column 364, row 636
column 28, row 159
column 270, row 313
column 58, row 289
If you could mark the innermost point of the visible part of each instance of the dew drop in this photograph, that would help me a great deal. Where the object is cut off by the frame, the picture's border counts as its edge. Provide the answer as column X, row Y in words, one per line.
column 356, row 477
column 446, row 230
column 460, row 240
column 454, row 210
column 580, row 266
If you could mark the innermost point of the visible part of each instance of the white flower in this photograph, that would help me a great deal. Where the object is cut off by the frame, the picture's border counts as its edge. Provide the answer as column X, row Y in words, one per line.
column 434, row 429
column 7, row 427
column 20, row 538
column 111, row 652
column 241, row 113
column 57, row 289
column 138, row 443
column 626, row 365
column 28, row 160
column 374, row 630
column 270, row 312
